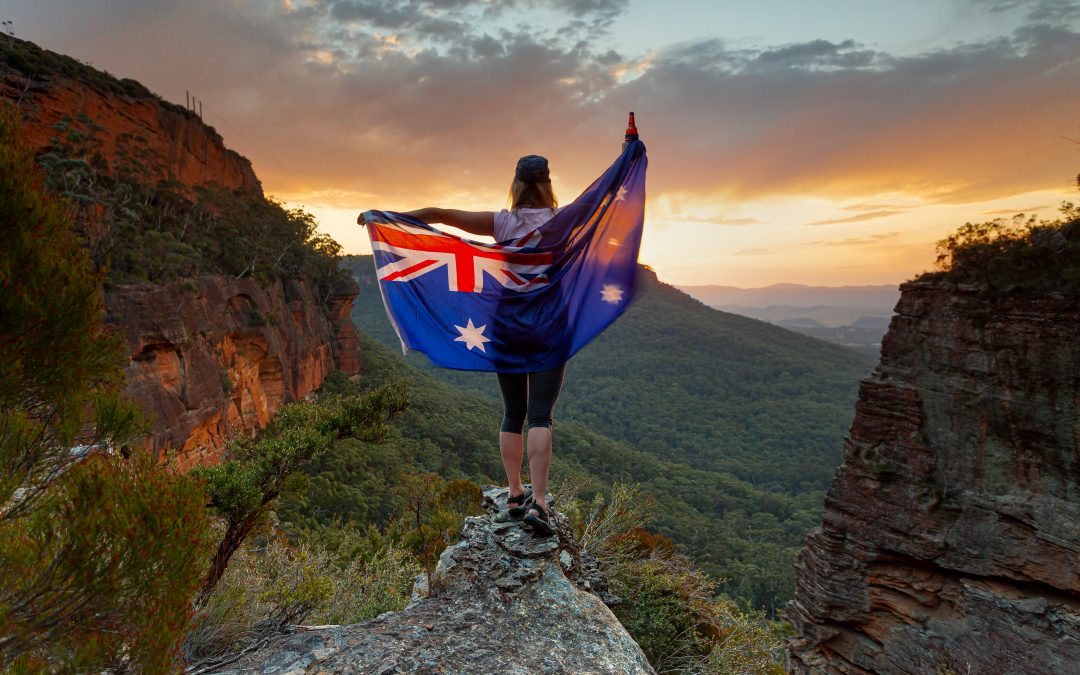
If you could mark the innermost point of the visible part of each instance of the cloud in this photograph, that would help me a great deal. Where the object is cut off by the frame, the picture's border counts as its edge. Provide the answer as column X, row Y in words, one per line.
column 752, row 251
column 864, row 206
column 1012, row 212
column 943, row 125
column 1051, row 12
column 858, row 217
column 431, row 101
column 816, row 55
column 715, row 220
column 856, row 241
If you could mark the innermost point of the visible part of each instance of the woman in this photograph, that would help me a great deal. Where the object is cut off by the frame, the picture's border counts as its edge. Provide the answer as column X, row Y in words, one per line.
column 527, row 397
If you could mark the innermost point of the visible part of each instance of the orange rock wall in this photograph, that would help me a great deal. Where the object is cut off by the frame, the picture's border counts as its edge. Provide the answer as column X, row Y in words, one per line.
column 176, row 142
column 213, row 357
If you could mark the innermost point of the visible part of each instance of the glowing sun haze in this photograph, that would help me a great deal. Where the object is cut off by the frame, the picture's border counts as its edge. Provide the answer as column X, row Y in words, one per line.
column 828, row 143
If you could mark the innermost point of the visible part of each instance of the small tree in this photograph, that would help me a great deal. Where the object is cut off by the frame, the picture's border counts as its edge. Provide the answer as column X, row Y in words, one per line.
column 433, row 512
column 60, row 370
column 242, row 489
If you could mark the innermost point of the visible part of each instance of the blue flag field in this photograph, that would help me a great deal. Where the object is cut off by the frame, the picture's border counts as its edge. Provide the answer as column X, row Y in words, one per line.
column 522, row 305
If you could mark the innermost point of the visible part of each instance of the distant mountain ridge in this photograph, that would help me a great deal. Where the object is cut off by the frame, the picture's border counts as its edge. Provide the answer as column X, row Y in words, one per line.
column 852, row 316
column 873, row 297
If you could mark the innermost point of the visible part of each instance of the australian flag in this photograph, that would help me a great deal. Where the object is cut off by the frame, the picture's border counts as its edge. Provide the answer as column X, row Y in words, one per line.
column 522, row 305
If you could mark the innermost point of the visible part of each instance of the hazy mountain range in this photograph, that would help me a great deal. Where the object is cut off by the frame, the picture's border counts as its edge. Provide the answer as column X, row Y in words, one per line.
column 853, row 316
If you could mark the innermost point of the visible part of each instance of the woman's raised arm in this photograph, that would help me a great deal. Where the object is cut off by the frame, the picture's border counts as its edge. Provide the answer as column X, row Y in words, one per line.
column 474, row 222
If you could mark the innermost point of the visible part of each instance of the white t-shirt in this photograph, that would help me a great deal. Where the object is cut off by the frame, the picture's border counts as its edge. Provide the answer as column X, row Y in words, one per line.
column 513, row 224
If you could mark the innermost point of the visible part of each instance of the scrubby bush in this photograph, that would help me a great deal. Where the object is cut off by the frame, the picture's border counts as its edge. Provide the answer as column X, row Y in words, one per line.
column 102, row 572
column 264, row 588
column 669, row 606
column 101, row 548
column 1018, row 254
column 433, row 511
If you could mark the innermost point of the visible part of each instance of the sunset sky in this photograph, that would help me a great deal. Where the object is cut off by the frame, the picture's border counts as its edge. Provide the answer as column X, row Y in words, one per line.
column 828, row 142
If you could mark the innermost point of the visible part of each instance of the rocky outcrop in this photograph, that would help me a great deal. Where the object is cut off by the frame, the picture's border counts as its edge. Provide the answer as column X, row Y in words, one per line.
column 212, row 357
column 169, row 141
column 951, row 535
column 504, row 601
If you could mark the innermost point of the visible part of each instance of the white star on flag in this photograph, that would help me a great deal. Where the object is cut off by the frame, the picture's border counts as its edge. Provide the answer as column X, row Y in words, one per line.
column 612, row 293
column 621, row 196
column 472, row 336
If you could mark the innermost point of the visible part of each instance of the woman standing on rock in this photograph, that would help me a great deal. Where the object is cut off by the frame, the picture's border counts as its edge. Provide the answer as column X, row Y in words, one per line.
column 527, row 397
column 523, row 306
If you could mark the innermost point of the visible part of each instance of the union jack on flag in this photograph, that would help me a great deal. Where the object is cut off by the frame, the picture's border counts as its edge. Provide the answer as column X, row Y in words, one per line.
column 517, row 306
column 420, row 251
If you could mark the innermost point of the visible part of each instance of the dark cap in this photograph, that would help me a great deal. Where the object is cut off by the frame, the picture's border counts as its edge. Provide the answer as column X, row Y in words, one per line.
column 532, row 169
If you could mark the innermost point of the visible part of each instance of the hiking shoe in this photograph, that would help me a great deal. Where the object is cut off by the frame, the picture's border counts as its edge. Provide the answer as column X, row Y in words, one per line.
column 539, row 522
column 518, row 506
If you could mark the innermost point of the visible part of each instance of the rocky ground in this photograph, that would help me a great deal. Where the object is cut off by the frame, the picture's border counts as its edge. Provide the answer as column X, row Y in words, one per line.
column 503, row 600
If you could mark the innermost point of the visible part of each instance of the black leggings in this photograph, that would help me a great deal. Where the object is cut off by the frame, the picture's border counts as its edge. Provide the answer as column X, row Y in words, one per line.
column 531, row 395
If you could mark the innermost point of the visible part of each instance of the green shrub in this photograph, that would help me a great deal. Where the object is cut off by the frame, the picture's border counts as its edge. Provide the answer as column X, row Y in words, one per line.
column 56, row 350
column 101, row 554
column 433, row 511
column 243, row 488
column 103, row 573
column 1017, row 254
column 669, row 606
column 277, row 584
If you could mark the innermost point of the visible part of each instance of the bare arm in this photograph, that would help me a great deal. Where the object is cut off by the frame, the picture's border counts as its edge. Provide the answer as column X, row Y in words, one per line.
column 473, row 222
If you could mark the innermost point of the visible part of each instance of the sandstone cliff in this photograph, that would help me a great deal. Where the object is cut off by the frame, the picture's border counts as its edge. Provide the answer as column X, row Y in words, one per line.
column 174, row 142
column 504, row 602
column 213, row 357
column 951, row 535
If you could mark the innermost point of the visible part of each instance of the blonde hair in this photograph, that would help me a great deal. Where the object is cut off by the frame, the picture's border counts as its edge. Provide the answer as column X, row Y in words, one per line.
column 536, row 195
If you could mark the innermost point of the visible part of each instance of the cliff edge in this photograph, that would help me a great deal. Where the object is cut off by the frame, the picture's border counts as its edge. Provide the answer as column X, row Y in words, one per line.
column 211, row 356
column 951, row 534
column 504, row 601
column 50, row 88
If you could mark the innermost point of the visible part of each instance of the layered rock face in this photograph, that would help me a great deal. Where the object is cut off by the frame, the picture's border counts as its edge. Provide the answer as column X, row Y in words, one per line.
column 212, row 357
column 174, row 143
column 951, row 536
column 504, row 602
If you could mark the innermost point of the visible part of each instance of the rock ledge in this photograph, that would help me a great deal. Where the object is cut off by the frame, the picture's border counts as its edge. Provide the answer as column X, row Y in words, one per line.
column 504, row 601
